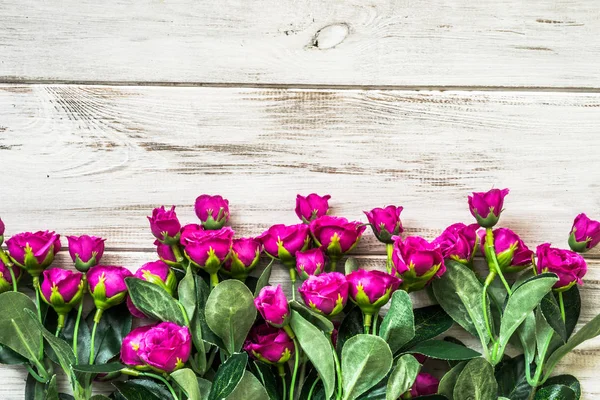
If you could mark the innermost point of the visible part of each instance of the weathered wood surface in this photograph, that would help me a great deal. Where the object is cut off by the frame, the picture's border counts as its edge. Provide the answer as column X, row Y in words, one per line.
column 535, row 43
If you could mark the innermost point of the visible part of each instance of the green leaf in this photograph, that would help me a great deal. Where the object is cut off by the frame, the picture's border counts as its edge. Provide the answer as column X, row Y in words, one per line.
column 249, row 388
column 263, row 280
column 199, row 324
column 145, row 385
column 10, row 357
column 34, row 390
column 551, row 312
column 555, row 392
column 512, row 382
column 398, row 326
column 566, row 380
column 443, row 350
column 154, row 301
column 351, row 325
column 229, row 374
column 459, row 293
column 265, row 373
column 523, row 300
column 366, row 359
column 476, row 381
column 317, row 348
column 351, row 265
column 402, row 377
column 572, row 303
column 188, row 297
column 84, row 336
column 24, row 338
column 230, row 313
column 114, row 325
column 132, row 391
column 99, row 397
column 186, row 379
column 51, row 389
column 99, row 369
column 543, row 335
column 526, row 333
column 448, row 381
column 318, row 320
column 205, row 387
column 430, row 322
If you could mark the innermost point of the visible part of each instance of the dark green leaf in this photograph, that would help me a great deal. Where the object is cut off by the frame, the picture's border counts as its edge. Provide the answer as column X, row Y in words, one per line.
column 566, row 380
column 430, row 322
column 512, row 382
column 187, row 380
column 228, row 375
column 318, row 320
column 51, row 389
column 551, row 312
column 317, row 347
column 398, row 326
column 476, row 381
column 448, row 381
column 263, row 280
column 351, row 265
column 34, row 390
column 188, row 297
column 84, row 336
column 154, row 301
column 158, row 390
column 204, row 385
column 199, row 323
column 22, row 336
column 132, row 391
column 268, row 379
column 230, row 313
column 249, row 388
column 351, row 325
column 572, row 303
column 377, row 392
column 526, row 333
column 99, row 369
column 555, row 392
column 114, row 325
column 99, row 397
column 10, row 357
column 366, row 359
column 402, row 377
column 443, row 350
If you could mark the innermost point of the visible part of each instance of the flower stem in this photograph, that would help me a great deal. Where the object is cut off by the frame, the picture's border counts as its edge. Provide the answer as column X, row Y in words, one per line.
column 292, row 272
column 312, row 388
column 490, row 253
column 332, row 265
column 390, row 249
column 561, row 302
column 36, row 286
column 338, row 371
column 367, row 318
column 214, row 280
column 375, row 318
column 13, row 278
column 177, row 252
column 97, row 318
column 488, row 281
column 281, row 371
column 163, row 380
column 76, row 330
column 35, row 375
column 9, row 264
column 296, row 362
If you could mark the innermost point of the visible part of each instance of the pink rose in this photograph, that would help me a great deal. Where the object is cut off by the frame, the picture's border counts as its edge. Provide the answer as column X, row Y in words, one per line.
column 165, row 347
column 208, row 249
column 585, row 234
column 457, row 242
column 371, row 290
column 33, row 252
column 269, row 344
column 272, row 304
column 424, row 385
column 310, row 262
column 158, row 273
column 212, row 211
column 243, row 257
column 106, row 284
column 336, row 235
column 283, row 241
column 131, row 346
column 326, row 293
column 511, row 252
column 62, row 289
column 487, row 206
column 417, row 262
column 568, row 265
column 85, row 251
column 385, row 222
column 311, row 207
column 164, row 224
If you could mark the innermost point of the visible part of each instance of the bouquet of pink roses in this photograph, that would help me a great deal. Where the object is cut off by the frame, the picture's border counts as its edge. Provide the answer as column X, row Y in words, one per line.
column 199, row 323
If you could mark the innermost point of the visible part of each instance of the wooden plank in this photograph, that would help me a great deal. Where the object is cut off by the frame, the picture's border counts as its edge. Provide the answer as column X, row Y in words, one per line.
column 81, row 159
column 271, row 42
column 581, row 363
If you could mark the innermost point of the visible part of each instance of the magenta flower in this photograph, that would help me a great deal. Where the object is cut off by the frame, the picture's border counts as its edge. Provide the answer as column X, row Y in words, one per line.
column 326, row 293
column 487, row 206
column 6, row 282
column 511, row 252
column 424, row 385
column 62, row 290
column 458, row 242
column 272, row 304
column 189, row 231
column 371, row 290
column 243, row 257
column 568, row 265
column 2, row 228
column 284, row 241
column 208, row 249
column 86, row 251
column 585, row 234
column 336, row 235
column 212, row 211
column 310, row 262
column 164, row 224
column 385, row 222
column 158, row 273
column 106, row 284
column 165, row 347
column 33, row 252
column 131, row 346
column 269, row 344
column 165, row 253
column 311, row 207
column 417, row 262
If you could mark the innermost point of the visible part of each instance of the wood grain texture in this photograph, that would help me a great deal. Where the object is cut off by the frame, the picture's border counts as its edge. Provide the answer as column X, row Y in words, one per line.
column 496, row 43
column 96, row 159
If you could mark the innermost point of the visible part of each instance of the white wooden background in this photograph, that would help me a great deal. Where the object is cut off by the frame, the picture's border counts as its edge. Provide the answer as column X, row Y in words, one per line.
column 108, row 109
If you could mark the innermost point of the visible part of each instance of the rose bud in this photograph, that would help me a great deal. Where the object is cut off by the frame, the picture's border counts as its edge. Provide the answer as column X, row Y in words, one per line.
column 310, row 262
column 165, row 347
column 458, row 242
column 311, row 207
column 164, row 225
column 568, row 265
column 243, row 257
column 272, row 304
column 33, row 252
column 212, row 211
column 106, row 284
column 326, row 294
column 417, row 262
column 512, row 254
column 585, row 234
column 336, row 235
column 86, row 251
column 6, row 282
column 487, row 206
column 284, row 241
column 165, row 253
column 269, row 344
column 208, row 249
column 385, row 222
column 131, row 346
column 371, row 290
column 424, row 385
column 62, row 290
column 158, row 273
